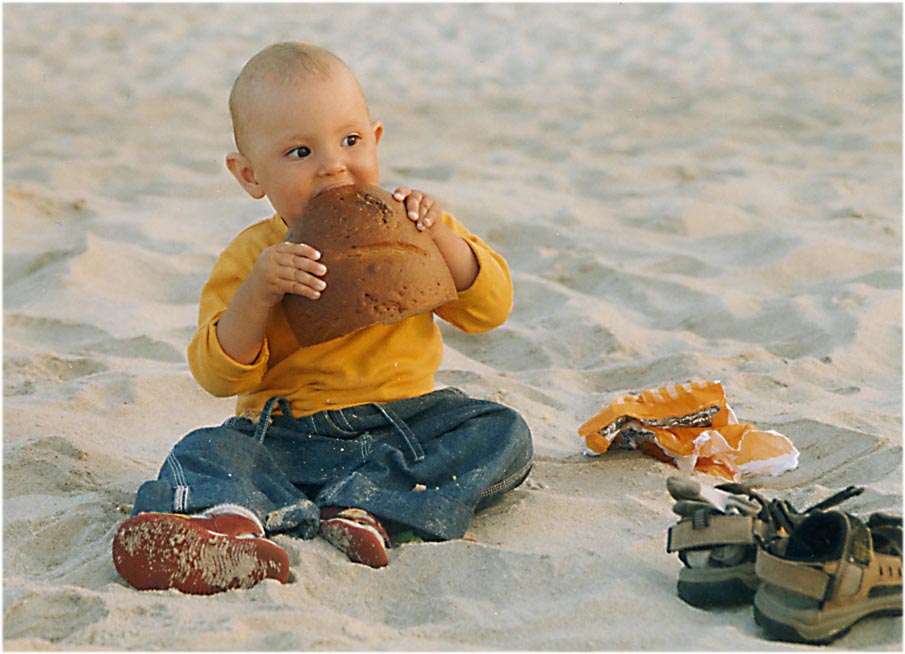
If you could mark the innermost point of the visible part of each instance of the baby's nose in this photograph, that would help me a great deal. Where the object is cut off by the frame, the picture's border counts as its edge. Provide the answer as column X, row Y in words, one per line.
column 332, row 165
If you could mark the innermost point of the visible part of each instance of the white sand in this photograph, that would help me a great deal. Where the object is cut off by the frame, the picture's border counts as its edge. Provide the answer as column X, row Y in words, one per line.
column 682, row 192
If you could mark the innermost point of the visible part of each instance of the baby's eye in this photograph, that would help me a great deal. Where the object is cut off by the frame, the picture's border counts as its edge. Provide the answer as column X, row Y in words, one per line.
column 351, row 139
column 300, row 152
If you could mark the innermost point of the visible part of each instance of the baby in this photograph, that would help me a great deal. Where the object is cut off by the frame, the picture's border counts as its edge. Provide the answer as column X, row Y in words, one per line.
column 363, row 448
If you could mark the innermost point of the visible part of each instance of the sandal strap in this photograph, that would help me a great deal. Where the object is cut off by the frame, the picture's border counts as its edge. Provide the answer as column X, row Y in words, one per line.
column 880, row 519
column 684, row 488
column 837, row 498
column 854, row 569
column 795, row 576
column 713, row 530
column 786, row 517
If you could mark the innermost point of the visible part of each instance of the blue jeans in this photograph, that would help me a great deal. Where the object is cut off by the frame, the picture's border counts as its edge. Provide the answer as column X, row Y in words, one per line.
column 425, row 464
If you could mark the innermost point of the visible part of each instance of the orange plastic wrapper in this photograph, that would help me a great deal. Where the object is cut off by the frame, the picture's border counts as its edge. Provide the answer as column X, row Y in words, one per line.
column 691, row 426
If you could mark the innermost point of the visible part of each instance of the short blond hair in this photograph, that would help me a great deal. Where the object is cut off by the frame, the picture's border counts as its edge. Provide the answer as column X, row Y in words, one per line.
column 276, row 65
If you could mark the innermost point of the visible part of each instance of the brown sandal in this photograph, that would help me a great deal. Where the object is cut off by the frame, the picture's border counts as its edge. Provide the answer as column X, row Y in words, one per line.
column 831, row 572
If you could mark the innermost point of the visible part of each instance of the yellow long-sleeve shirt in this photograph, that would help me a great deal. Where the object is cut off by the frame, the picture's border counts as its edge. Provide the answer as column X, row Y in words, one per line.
column 377, row 364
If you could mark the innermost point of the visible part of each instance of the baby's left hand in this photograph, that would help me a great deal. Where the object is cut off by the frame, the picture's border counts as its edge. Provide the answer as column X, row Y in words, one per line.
column 421, row 208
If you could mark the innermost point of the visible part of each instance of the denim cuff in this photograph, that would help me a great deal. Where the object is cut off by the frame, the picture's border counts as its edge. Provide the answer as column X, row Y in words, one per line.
column 301, row 519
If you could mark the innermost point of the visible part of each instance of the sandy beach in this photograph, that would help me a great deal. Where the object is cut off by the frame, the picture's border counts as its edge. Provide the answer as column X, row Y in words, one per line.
column 681, row 191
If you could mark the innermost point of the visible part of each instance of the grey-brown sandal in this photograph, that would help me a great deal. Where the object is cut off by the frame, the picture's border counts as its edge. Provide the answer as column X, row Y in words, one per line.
column 719, row 534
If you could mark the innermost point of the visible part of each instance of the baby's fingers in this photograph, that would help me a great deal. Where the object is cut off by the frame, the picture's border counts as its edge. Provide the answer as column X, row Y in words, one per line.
column 401, row 193
column 428, row 213
column 412, row 200
column 420, row 207
column 306, row 284
column 302, row 250
column 301, row 270
column 300, row 256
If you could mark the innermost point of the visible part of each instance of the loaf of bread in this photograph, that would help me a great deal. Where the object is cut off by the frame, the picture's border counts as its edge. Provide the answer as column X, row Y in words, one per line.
column 380, row 268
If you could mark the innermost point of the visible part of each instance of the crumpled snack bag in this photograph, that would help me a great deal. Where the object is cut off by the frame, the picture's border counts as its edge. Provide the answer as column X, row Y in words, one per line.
column 691, row 426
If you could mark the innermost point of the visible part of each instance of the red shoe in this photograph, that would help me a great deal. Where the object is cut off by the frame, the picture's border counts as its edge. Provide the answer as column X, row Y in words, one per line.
column 358, row 534
column 220, row 549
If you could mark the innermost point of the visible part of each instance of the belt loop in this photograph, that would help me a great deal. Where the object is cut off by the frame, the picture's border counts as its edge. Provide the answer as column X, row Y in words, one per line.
column 265, row 420
column 407, row 435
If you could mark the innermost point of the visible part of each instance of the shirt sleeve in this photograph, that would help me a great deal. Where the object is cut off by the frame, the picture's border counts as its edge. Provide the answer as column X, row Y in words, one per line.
column 485, row 304
column 217, row 372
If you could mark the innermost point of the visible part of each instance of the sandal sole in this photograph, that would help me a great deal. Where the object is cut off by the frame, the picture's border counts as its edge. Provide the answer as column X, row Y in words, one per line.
column 713, row 587
column 787, row 623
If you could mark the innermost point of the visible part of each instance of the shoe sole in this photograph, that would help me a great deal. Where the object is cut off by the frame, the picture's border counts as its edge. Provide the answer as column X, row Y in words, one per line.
column 156, row 551
column 787, row 623
column 714, row 587
column 361, row 543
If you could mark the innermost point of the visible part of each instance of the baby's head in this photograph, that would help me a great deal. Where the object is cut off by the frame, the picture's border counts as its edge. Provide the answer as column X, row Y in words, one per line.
column 301, row 125
column 269, row 72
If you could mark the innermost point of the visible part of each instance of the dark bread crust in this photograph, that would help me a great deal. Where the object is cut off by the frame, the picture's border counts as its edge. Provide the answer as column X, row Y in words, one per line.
column 380, row 268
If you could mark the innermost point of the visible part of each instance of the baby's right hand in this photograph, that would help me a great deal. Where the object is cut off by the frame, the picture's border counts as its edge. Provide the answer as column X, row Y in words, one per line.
column 288, row 268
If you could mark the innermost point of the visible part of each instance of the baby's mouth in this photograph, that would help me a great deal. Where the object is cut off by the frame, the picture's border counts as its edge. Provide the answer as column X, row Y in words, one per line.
column 330, row 187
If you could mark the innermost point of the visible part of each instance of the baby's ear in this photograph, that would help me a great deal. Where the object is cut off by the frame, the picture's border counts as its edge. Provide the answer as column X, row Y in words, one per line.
column 241, row 169
column 378, row 130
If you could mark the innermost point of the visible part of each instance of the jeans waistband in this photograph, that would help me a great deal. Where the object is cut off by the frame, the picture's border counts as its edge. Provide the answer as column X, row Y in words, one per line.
column 340, row 421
